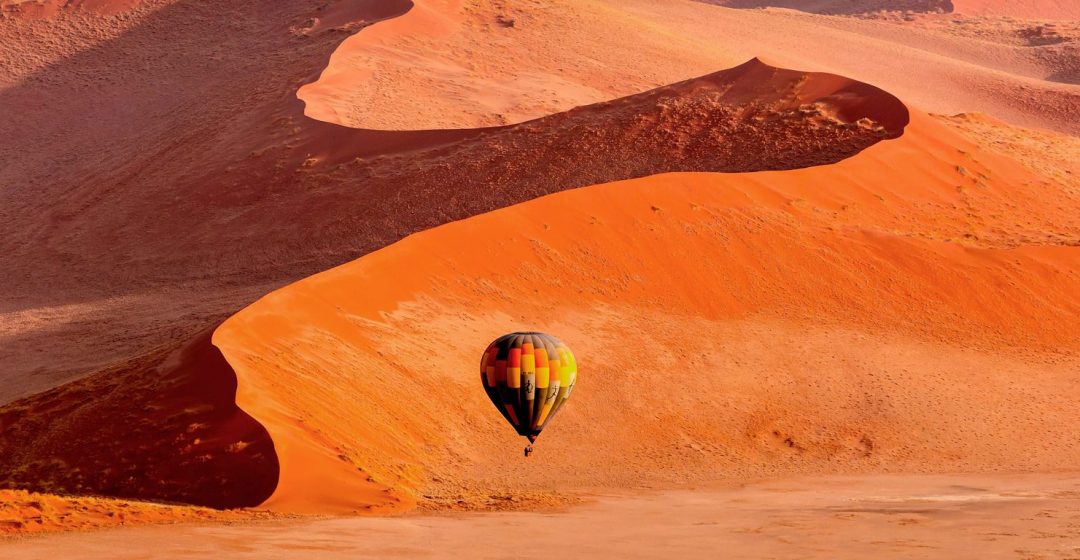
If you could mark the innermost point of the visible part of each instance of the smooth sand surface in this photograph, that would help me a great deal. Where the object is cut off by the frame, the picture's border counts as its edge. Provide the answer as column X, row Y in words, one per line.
column 941, row 516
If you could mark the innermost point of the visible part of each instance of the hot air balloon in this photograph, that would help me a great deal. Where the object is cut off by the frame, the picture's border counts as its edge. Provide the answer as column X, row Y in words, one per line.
column 528, row 376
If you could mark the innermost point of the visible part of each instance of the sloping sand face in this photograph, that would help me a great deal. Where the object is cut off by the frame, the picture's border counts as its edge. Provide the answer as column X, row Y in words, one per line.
column 1045, row 9
column 830, row 319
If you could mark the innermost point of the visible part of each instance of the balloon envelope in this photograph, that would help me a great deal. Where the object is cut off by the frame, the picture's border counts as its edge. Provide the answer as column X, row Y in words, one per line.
column 528, row 376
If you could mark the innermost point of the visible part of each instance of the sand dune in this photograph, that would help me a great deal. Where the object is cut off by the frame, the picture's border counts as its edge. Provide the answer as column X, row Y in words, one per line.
column 196, row 261
column 417, row 71
column 748, row 118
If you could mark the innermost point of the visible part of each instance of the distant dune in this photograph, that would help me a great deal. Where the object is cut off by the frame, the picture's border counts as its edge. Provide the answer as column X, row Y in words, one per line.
column 1037, row 9
column 418, row 71
column 847, row 7
column 1034, row 9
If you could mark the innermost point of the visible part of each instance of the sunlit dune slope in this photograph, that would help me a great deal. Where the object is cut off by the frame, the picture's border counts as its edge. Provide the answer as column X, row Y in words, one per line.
column 855, row 316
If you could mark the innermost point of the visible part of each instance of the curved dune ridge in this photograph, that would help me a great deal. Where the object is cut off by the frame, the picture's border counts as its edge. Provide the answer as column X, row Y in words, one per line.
column 192, row 235
column 833, row 324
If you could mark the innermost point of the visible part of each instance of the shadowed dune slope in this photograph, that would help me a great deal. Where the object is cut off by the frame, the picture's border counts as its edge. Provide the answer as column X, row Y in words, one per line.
column 163, row 427
column 858, row 316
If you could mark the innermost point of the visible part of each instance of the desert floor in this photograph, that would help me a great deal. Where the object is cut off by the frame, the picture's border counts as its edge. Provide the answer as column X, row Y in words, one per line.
column 902, row 516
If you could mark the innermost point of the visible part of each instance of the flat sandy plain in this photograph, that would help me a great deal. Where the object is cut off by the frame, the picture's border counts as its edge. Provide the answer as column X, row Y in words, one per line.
column 939, row 516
